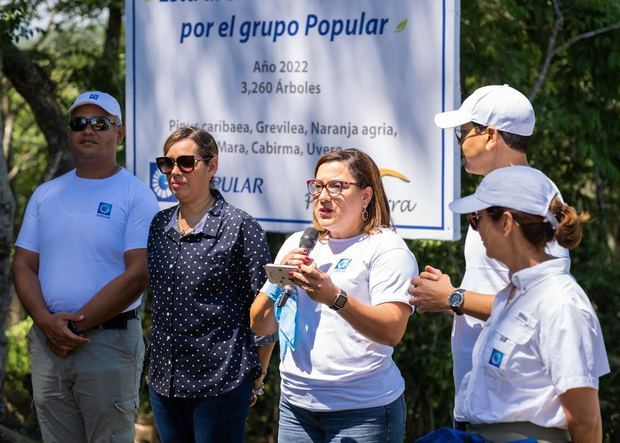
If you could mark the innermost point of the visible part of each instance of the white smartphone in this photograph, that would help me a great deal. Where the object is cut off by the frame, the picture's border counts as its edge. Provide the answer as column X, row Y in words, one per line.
column 279, row 274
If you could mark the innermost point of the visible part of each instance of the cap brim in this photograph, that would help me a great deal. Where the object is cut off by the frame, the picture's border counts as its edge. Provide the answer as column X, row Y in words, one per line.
column 451, row 119
column 468, row 204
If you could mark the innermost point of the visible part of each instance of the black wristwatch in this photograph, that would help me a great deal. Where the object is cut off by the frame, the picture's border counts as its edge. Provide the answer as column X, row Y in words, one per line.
column 73, row 327
column 455, row 300
column 340, row 300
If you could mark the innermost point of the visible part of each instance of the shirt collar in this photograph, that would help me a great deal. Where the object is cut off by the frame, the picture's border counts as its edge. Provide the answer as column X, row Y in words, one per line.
column 210, row 222
column 529, row 277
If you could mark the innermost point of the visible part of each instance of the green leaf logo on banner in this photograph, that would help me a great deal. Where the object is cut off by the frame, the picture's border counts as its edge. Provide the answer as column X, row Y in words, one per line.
column 402, row 25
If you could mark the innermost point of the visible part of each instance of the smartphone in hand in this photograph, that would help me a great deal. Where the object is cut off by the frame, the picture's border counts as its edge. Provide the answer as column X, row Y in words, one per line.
column 280, row 274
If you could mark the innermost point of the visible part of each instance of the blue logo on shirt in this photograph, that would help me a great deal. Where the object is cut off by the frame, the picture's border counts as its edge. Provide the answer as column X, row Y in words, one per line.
column 342, row 264
column 104, row 210
column 496, row 358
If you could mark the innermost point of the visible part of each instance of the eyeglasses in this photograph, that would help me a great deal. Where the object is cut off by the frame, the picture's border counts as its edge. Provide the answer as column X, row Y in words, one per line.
column 474, row 217
column 186, row 163
column 334, row 187
column 460, row 132
column 474, row 220
column 78, row 124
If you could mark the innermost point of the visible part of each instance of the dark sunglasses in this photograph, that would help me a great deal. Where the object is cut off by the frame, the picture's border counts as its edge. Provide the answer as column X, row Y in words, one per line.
column 334, row 187
column 186, row 163
column 459, row 132
column 78, row 124
column 474, row 217
column 474, row 220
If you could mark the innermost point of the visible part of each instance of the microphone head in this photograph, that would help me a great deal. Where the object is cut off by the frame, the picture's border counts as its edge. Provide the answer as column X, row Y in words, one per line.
column 309, row 237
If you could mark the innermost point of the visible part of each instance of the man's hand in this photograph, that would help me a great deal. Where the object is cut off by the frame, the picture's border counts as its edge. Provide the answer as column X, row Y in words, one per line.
column 431, row 291
column 60, row 339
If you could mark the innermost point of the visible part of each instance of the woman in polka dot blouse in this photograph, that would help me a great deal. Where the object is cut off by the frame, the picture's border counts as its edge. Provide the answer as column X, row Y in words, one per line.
column 206, row 264
column 337, row 332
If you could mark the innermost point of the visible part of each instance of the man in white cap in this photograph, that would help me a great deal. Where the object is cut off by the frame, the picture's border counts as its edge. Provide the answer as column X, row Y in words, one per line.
column 493, row 126
column 79, row 270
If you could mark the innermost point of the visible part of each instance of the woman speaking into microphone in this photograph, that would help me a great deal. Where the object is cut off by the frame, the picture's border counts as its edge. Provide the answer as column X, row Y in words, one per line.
column 337, row 331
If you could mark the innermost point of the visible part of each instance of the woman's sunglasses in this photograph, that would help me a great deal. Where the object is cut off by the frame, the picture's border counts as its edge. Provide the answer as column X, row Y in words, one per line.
column 474, row 219
column 186, row 163
column 78, row 124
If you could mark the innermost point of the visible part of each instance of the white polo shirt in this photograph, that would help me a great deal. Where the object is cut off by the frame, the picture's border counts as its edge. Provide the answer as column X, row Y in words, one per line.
column 543, row 342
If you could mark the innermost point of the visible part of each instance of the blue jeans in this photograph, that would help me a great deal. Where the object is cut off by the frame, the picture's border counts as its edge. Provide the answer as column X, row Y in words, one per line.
column 205, row 419
column 370, row 425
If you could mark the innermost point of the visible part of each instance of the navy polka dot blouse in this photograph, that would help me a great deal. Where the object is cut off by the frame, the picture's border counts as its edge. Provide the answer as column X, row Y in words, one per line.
column 203, row 285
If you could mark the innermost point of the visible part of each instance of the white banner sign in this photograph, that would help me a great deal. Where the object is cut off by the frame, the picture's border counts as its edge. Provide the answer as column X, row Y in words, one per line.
column 279, row 83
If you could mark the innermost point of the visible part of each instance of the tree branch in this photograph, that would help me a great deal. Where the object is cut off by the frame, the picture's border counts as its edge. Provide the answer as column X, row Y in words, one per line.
column 552, row 50
column 585, row 35
column 38, row 90
column 557, row 27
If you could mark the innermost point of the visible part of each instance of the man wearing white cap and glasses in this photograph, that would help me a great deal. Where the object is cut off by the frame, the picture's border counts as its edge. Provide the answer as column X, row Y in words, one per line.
column 493, row 127
column 79, row 270
column 537, row 363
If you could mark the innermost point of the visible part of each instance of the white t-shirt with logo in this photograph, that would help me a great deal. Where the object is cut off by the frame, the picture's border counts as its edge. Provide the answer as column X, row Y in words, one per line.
column 81, row 229
column 333, row 367
column 534, row 347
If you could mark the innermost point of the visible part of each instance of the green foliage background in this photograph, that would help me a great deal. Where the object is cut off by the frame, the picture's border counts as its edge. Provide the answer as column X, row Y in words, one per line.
column 576, row 142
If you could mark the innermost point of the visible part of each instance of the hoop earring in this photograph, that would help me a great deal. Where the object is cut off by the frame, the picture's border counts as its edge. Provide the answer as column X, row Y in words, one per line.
column 364, row 214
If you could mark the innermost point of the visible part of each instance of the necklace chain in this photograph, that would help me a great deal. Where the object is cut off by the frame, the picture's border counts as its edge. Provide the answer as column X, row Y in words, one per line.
column 191, row 223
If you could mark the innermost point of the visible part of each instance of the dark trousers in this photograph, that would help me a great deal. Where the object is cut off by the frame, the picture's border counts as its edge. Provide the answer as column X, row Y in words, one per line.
column 206, row 419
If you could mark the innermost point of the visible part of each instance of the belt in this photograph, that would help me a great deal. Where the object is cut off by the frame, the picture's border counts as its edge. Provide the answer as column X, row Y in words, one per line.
column 119, row 321
column 518, row 430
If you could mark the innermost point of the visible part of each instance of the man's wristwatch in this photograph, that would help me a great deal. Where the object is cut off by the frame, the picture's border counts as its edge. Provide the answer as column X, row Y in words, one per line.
column 455, row 300
column 73, row 327
column 339, row 302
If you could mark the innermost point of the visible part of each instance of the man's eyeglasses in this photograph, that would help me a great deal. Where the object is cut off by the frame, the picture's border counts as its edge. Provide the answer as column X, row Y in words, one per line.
column 78, row 124
column 334, row 187
column 186, row 163
column 460, row 132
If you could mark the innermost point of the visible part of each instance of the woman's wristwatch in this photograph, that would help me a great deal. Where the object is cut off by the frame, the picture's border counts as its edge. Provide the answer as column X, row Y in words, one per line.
column 340, row 300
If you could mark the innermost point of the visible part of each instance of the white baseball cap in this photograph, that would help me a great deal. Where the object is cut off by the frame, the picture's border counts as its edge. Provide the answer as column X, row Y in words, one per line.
column 521, row 188
column 102, row 99
column 500, row 106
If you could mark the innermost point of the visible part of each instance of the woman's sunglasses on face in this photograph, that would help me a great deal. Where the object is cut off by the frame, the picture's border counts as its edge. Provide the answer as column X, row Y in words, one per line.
column 78, row 124
column 186, row 163
column 474, row 219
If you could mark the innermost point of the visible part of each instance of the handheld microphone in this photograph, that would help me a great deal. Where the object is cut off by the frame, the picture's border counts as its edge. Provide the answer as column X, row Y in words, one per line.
column 308, row 240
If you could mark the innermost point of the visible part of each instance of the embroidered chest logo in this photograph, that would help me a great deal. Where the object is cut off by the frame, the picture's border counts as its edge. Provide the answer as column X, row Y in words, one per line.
column 342, row 264
column 496, row 358
column 104, row 210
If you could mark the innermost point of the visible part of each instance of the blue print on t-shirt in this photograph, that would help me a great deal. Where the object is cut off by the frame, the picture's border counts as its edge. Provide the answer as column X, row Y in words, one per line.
column 496, row 358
